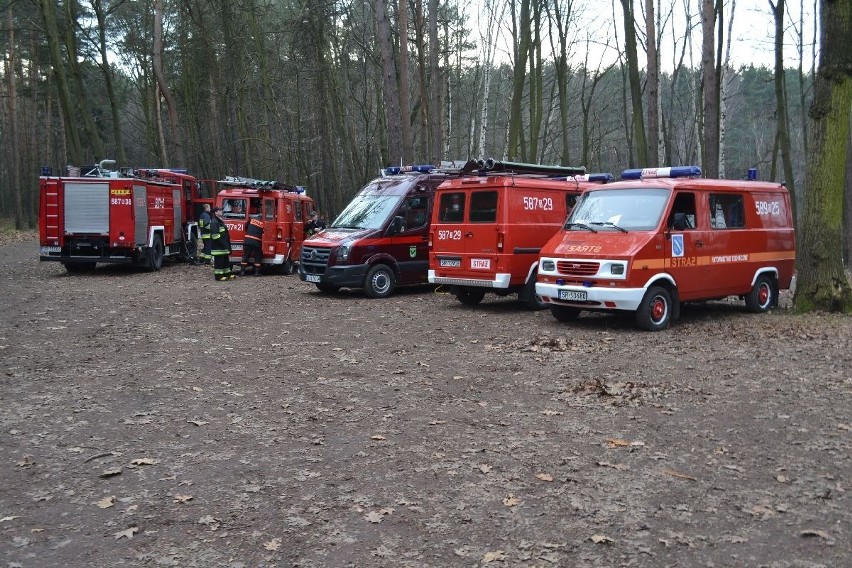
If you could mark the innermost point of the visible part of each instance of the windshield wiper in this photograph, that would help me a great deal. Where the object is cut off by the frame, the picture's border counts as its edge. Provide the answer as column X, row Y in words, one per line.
column 344, row 227
column 580, row 225
column 609, row 224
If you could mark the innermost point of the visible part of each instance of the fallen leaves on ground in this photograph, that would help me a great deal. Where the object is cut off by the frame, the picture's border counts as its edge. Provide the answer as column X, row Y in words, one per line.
column 106, row 502
column 126, row 533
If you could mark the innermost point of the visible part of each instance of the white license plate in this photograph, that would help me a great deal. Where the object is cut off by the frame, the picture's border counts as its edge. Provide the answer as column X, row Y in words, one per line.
column 236, row 247
column 451, row 262
column 572, row 295
column 312, row 278
column 48, row 250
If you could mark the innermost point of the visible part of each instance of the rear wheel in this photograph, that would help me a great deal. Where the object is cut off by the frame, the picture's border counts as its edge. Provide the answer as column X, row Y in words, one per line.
column 470, row 296
column 655, row 311
column 762, row 295
column 380, row 282
column 155, row 254
column 564, row 313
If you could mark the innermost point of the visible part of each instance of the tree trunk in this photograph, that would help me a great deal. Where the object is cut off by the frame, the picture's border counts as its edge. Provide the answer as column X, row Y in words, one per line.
column 710, row 90
column 160, row 76
column 96, row 144
column 404, row 83
column 821, row 282
column 103, row 49
column 435, row 107
column 51, row 30
column 15, row 180
column 723, row 94
column 390, row 91
column 653, row 84
column 639, row 140
column 521, row 31
column 782, row 123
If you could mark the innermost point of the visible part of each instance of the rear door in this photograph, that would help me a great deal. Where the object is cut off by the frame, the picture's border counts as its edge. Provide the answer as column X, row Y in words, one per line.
column 480, row 234
column 447, row 232
column 270, row 227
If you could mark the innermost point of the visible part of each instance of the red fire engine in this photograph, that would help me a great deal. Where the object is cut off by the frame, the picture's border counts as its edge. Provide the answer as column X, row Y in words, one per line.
column 489, row 226
column 282, row 209
column 130, row 216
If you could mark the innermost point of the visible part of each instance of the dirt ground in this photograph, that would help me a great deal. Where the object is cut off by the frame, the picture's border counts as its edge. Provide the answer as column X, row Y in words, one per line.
column 164, row 419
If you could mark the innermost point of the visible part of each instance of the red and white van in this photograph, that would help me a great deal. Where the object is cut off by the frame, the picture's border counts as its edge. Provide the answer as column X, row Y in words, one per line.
column 488, row 228
column 283, row 211
column 662, row 237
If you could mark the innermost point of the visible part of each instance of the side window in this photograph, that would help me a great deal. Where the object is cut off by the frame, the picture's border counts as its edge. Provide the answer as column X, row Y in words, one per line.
column 414, row 211
column 268, row 209
column 684, row 203
column 483, row 207
column 570, row 202
column 297, row 210
column 726, row 211
column 452, row 207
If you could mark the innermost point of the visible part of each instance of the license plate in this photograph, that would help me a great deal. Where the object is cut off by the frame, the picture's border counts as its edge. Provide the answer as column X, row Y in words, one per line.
column 48, row 250
column 312, row 278
column 451, row 262
column 572, row 295
column 236, row 247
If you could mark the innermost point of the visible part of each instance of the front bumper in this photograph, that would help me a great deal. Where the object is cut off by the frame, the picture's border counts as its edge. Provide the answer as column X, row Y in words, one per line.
column 597, row 298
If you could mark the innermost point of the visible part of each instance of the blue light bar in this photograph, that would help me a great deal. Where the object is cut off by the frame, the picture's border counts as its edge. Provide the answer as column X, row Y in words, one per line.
column 651, row 173
column 394, row 170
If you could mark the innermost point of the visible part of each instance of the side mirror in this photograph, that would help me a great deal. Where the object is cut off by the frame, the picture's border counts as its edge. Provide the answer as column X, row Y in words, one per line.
column 679, row 222
column 397, row 225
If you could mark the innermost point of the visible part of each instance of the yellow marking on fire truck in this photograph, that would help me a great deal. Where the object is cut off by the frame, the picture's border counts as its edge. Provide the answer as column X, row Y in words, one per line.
column 119, row 192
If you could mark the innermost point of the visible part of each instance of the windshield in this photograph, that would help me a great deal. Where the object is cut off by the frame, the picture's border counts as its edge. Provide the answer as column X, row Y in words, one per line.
column 367, row 212
column 637, row 209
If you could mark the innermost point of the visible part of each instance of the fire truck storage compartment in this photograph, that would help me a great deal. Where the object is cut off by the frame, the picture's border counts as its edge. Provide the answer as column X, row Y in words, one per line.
column 140, row 210
column 87, row 207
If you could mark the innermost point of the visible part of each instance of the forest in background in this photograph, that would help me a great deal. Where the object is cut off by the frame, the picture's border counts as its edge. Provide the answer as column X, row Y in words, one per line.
column 318, row 92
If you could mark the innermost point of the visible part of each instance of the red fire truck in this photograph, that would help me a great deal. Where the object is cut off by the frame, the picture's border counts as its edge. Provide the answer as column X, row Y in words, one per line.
column 130, row 216
column 663, row 237
column 283, row 210
column 488, row 227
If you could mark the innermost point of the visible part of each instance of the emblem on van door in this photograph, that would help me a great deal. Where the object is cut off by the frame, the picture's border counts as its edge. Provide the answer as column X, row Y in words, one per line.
column 412, row 251
column 677, row 246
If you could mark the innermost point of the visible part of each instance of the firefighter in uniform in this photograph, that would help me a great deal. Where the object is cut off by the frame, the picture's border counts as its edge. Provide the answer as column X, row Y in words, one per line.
column 220, row 246
column 252, row 244
column 204, row 227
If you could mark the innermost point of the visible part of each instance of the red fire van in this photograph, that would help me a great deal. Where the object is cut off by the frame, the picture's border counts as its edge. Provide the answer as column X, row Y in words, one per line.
column 488, row 227
column 661, row 237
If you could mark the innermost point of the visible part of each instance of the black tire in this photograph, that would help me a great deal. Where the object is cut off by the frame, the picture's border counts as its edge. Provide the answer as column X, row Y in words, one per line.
column 79, row 267
column 470, row 296
column 762, row 296
column 327, row 289
column 155, row 254
column 380, row 281
column 532, row 300
column 655, row 311
column 564, row 313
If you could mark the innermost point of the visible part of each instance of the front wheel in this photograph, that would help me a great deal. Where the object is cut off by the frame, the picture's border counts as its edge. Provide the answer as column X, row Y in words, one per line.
column 762, row 295
column 655, row 311
column 564, row 313
column 470, row 296
column 380, row 282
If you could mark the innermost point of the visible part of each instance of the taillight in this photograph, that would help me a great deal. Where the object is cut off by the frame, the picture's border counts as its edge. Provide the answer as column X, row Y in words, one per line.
column 429, row 241
column 499, row 242
column 279, row 235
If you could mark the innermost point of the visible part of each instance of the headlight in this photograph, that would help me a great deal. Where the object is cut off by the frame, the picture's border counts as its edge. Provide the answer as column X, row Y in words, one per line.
column 616, row 269
column 342, row 253
column 548, row 265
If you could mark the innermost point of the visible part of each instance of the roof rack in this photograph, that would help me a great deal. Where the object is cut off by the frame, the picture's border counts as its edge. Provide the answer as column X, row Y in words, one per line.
column 492, row 166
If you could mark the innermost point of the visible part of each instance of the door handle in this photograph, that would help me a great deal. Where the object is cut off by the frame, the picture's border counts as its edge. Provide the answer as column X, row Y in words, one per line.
column 468, row 235
column 699, row 243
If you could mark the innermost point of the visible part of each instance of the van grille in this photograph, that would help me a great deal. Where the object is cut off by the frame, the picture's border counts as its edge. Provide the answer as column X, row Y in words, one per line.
column 574, row 268
column 314, row 259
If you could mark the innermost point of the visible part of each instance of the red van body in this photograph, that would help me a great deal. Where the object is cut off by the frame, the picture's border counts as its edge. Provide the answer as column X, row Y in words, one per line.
column 283, row 210
column 648, row 244
column 488, row 230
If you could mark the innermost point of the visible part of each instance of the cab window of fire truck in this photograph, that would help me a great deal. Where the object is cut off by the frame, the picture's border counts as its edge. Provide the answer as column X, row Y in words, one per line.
column 297, row 210
column 483, row 207
column 684, row 202
column 269, row 209
column 413, row 211
column 570, row 202
column 452, row 207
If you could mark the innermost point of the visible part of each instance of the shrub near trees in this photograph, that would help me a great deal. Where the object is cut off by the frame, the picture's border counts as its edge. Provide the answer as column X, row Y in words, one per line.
column 322, row 94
